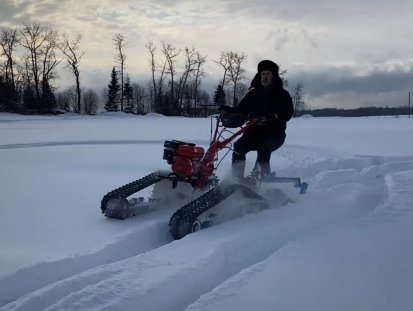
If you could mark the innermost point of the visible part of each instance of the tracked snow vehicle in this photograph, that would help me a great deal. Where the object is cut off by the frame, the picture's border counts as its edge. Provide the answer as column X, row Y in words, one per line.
column 190, row 164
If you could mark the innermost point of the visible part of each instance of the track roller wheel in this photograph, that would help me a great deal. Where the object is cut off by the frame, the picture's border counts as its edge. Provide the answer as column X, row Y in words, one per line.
column 117, row 208
column 196, row 226
column 180, row 229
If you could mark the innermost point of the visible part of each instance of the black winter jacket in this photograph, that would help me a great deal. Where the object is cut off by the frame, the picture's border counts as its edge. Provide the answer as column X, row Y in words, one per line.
column 266, row 102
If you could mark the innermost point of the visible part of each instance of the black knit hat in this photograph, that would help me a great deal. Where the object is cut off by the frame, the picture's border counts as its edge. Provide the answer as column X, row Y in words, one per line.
column 270, row 66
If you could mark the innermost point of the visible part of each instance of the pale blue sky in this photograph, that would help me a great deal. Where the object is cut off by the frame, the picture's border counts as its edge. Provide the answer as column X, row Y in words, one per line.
column 347, row 53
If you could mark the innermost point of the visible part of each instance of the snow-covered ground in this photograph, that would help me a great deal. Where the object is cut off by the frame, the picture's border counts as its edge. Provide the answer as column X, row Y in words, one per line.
column 345, row 245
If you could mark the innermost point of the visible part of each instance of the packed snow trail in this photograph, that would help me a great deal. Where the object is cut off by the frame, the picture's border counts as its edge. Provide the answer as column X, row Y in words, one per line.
column 367, row 265
column 146, row 237
column 151, row 232
column 173, row 276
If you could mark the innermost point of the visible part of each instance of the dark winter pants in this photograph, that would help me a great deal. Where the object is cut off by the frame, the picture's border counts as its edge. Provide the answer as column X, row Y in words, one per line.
column 250, row 141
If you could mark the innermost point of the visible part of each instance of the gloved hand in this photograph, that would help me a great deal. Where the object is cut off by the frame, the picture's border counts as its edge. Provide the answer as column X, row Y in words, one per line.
column 270, row 121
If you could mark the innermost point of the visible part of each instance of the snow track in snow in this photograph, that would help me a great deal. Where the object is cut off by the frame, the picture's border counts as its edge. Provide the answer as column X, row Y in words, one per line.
column 174, row 275
column 144, row 238
column 151, row 232
column 356, row 264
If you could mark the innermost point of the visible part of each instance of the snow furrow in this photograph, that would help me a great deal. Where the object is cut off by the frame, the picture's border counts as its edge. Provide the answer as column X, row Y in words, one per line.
column 173, row 276
column 150, row 233
column 308, row 162
column 147, row 237
column 354, row 274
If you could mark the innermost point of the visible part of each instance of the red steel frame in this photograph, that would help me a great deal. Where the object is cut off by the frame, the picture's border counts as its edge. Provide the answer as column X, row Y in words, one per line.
column 207, row 165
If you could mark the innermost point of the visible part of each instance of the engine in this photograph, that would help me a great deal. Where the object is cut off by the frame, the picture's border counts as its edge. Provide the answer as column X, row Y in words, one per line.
column 184, row 157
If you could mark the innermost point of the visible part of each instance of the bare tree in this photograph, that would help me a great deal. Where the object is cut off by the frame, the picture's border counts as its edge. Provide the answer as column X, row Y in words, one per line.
column 159, row 105
column 205, row 102
column 9, row 40
column 139, row 96
column 120, row 58
column 29, row 97
column 27, row 69
column 283, row 79
column 151, row 49
column 170, row 54
column 128, row 95
column 297, row 96
column 189, row 68
column 150, row 95
column 69, row 48
column 199, row 72
column 240, row 91
column 40, row 41
column 103, row 96
column 226, row 63
column 66, row 99
column 157, row 88
column 49, row 55
column 235, row 71
column 33, row 36
column 19, row 79
column 90, row 102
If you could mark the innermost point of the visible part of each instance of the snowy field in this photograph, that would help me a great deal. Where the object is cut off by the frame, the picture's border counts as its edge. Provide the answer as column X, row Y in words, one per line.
column 345, row 245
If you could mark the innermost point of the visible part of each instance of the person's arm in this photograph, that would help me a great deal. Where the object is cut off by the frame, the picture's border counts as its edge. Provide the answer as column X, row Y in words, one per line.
column 285, row 109
column 242, row 107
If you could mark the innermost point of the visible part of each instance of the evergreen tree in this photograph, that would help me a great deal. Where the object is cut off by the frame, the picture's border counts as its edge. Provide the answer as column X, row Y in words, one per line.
column 29, row 98
column 113, row 100
column 219, row 96
column 128, row 95
column 2, row 95
column 48, row 97
column 8, row 96
column 160, row 103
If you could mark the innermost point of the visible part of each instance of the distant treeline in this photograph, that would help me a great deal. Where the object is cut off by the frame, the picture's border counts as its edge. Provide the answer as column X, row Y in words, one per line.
column 358, row 112
column 30, row 56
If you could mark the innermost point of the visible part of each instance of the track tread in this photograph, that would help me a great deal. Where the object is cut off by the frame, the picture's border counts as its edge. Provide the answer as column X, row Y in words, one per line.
column 127, row 190
column 181, row 221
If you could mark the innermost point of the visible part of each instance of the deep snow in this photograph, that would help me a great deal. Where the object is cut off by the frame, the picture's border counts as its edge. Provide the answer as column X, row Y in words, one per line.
column 344, row 245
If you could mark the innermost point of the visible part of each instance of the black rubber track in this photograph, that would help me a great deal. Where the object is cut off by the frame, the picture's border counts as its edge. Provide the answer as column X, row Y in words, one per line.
column 126, row 191
column 181, row 221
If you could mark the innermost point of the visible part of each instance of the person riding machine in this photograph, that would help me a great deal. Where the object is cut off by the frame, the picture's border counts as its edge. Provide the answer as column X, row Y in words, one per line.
column 266, row 98
column 261, row 116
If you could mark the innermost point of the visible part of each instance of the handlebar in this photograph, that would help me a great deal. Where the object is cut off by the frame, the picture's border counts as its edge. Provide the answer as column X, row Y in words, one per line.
column 234, row 120
column 224, row 115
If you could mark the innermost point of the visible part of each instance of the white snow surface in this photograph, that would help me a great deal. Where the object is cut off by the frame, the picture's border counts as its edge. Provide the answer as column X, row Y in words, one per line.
column 345, row 245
